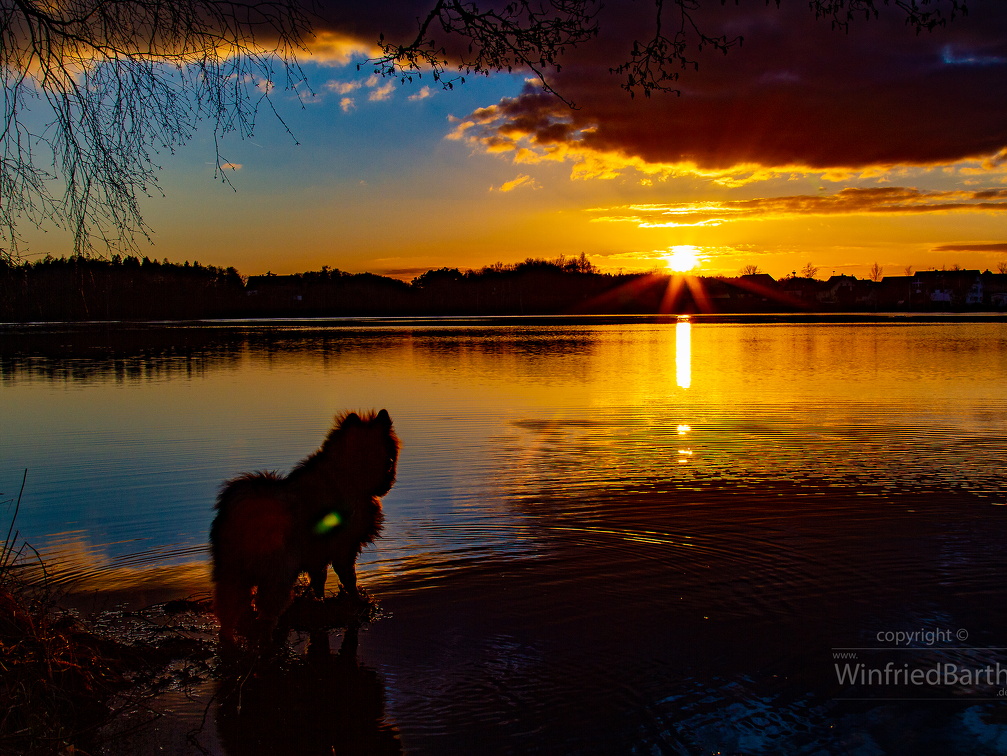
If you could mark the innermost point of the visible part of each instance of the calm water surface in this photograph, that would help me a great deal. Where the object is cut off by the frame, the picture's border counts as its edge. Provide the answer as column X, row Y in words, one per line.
column 611, row 536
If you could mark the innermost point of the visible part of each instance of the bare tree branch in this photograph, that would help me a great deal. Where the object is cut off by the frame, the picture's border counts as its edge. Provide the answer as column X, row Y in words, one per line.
column 922, row 15
column 655, row 65
column 524, row 35
column 95, row 90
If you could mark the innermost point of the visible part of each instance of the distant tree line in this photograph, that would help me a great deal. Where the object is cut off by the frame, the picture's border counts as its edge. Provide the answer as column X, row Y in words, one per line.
column 118, row 288
column 131, row 288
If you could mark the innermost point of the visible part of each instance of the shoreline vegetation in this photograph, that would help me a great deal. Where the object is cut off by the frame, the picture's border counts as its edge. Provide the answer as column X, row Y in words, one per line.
column 76, row 680
column 80, row 683
column 78, row 289
column 64, row 678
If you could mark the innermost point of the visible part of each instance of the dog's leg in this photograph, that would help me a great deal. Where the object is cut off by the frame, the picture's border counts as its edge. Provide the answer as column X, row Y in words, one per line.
column 346, row 570
column 316, row 579
column 232, row 603
column 271, row 600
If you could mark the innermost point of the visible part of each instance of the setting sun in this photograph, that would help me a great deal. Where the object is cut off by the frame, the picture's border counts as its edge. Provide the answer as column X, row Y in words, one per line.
column 682, row 258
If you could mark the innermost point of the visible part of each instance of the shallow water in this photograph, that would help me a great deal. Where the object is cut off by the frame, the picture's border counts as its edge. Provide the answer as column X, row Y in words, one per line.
column 607, row 536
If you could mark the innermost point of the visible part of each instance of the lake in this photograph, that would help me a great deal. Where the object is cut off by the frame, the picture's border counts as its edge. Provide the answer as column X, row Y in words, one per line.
column 608, row 535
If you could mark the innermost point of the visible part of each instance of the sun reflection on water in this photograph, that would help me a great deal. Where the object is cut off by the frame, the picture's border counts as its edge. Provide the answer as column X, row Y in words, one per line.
column 683, row 352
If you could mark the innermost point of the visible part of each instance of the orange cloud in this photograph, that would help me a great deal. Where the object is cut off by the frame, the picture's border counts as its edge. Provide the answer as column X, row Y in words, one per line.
column 382, row 92
column 849, row 201
column 339, row 48
column 522, row 180
column 423, row 93
column 343, row 87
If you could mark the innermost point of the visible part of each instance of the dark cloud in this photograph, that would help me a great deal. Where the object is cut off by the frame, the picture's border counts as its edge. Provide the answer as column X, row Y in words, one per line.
column 395, row 19
column 991, row 194
column 403, row 274
column 994, row 247
column 797, row 93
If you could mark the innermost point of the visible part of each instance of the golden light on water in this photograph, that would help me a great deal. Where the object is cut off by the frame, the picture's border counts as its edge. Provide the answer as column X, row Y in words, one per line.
column 682, row 258
column 684, row 454
column 683, row 353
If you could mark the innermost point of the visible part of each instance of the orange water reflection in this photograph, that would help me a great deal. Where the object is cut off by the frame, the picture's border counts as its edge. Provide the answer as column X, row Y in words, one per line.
column 683, row 352
column 133, row 458
column 691, row 509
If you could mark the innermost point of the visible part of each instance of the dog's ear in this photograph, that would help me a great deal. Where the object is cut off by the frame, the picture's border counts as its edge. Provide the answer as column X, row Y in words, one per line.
column 384, row 418
column 350, row 420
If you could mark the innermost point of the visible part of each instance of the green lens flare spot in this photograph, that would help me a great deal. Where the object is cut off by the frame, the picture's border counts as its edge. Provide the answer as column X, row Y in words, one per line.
column 331, row 521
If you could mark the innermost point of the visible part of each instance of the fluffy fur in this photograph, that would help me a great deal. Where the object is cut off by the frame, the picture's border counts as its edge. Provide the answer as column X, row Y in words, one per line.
column 270, row 528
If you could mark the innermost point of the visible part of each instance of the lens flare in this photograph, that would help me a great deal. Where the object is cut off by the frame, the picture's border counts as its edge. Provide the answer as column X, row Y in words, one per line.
column 682, row 258
column 331, row 521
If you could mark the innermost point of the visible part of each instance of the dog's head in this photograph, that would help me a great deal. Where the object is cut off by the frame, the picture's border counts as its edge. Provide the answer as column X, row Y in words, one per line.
column 366, row 450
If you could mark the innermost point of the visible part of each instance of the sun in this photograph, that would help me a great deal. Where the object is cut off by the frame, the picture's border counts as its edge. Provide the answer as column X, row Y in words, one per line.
column 682, row 258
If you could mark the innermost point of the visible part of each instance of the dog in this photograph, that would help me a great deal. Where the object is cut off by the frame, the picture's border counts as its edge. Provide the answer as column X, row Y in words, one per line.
column 270, row 528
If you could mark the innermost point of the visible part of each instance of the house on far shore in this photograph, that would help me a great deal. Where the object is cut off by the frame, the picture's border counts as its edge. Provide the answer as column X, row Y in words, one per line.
column 275, row 291
column 752, row 292
column 894, row 292
column 804, row 291
column 994, row 289
column 844, row 291
column 948, row 289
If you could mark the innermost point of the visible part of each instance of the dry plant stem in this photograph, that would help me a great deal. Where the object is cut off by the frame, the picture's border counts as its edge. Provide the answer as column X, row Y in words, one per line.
column 6, row 557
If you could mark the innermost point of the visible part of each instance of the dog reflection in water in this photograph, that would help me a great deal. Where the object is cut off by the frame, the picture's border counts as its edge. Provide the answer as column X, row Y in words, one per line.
column 324, row 703
column 270, row 528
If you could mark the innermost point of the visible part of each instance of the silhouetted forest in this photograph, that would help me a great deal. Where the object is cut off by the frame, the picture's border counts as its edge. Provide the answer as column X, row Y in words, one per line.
column 129, row 288
column 80, row 288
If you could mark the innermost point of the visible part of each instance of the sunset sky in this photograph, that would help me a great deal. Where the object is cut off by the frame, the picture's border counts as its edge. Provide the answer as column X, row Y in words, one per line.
column 804, row 145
